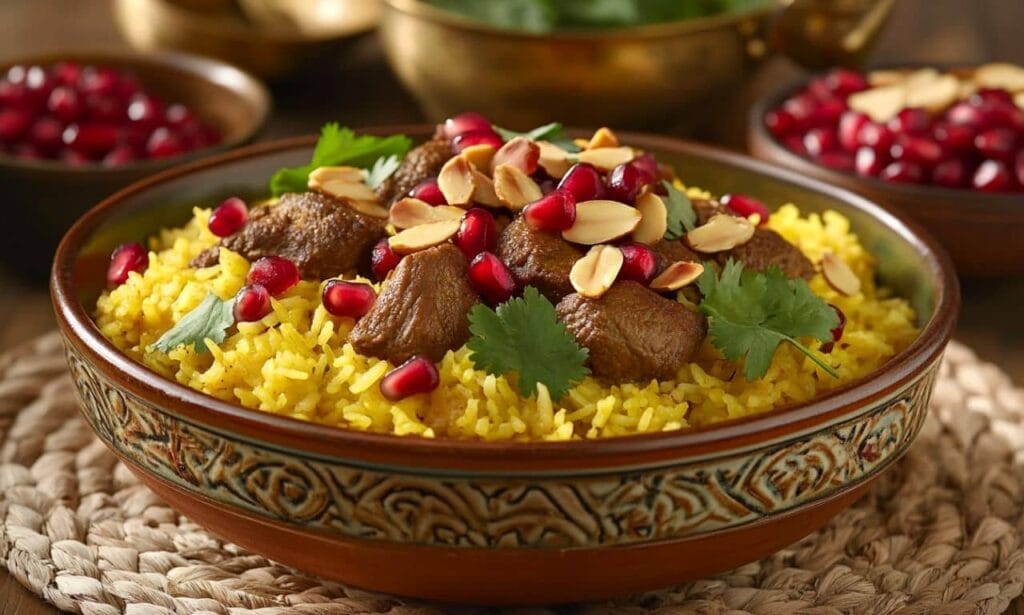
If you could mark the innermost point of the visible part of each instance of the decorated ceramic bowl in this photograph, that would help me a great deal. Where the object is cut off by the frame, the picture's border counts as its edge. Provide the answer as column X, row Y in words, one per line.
column 501, row 523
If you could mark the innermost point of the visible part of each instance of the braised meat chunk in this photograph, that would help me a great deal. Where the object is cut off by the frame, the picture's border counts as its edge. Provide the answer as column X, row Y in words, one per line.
column 422, row 162
column 670, row 251
column 321, row 235
column 633, row 334
column 539, row 259
column 768, row 248
column 423, row 309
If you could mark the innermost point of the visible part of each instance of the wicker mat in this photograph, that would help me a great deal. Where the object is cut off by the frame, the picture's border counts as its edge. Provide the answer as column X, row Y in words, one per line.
column 940, row 533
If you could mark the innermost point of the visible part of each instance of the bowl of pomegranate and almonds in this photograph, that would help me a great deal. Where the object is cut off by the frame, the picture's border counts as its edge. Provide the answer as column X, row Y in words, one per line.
column 945, row 146
column 77, row 126
column 502, row 367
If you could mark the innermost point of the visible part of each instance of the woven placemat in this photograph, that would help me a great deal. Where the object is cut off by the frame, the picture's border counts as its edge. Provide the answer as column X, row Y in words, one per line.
column 939, row 533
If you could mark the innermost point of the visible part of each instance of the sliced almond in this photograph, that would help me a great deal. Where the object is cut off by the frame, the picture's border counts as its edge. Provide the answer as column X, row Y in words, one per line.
column 456, row 180
column 348, row 191
column 580, row 143
column 484, row 193
column 423, row 236
column 479, row 155
column 514, row 187
column 607, row 158
column 519, row 152
column 967, row 89
column 920, row 76
column 553, row 159
column 722, row 232
column 594, row 273
column 879, row 78
column 653, row 218
column 321, row 175
column 934, row 95
column 880, row 104
column 839, row 275
column 603, row 137
column 677, row 275
column 601, row 221
column 1000, row 75
column 369, row 208
column 410, row 212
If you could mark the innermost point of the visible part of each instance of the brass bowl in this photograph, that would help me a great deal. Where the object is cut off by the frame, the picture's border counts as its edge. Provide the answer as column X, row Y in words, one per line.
column 272, row 38
column 654, row 76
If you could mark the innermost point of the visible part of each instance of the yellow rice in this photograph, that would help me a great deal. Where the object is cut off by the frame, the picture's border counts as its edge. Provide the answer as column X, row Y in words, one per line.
column 295, row 362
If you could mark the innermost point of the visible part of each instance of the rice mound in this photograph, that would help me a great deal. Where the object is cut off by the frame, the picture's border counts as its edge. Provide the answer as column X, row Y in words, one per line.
column 296, row 362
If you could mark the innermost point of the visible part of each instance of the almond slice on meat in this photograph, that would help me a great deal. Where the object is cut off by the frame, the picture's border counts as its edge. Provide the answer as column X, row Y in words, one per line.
column 935, row 94
column 722, row 232
column 484, row 193
column 594, row 273
column 921, row 76
column 479, row 155
column 410, row 212
column 880, row 104
column 601, row 221
column 514, row 187
column 603, row 137
column 519, row 152
column 676, row 276
column 653, row 218
column 456, row 180
column 607, row 158
column 839, row 275
column 1000, row 75
column 423, row 236
column 322, row 175
column 553, row 159
column 348, row 191
column 881, row 78
column 369, row 208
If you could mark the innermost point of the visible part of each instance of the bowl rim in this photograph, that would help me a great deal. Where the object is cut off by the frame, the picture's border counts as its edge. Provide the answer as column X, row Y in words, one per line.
column 201, row 67
column 422, row 10
column 757, row 130
column 471, row 455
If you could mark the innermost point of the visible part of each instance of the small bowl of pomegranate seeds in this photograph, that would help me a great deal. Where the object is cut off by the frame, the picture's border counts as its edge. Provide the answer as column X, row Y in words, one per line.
column 74, row 128
column 944, row 145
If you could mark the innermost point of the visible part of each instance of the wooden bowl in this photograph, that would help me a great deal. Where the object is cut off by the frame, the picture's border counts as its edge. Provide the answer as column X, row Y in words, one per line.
column 48, row 195
column 501, row 523
column 982, row 232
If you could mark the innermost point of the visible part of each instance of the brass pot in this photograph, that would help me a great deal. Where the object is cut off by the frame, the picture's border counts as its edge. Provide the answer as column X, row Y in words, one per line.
column 636, row 77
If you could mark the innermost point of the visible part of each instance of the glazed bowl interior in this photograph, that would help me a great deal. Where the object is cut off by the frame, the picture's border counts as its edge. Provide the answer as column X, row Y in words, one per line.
column 908, row 262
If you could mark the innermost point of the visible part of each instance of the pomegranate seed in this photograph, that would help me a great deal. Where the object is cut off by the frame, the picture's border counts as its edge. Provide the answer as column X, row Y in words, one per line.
column 102, row 81
column 997, row 143
column 780, row 123
column 795, row 144
column 349, row 299
column 902, row 172
column 125, row 259
column 179, row 115
column 746, row 206
column 275, row 273
column 911, row 120
column 91, row 140
column 921, row 150
column 583, row 182
column 827, row 112
column 950, row 173
column 624, row 183
column 13, row 95
column 28, row 152
column 229, row 217
column 415, row 376
column 477, row 233
column 800, row 107
column 252, row 303
column 820, row 140
column 849, row 127
column 843, row 81
column 992, row 95
column 105, row 109
column 977, row 114
column 477, row 137
column 14, row 123
column 555, row 212
column 383, row 259
column 64, row 104
column 16, row 74
column 1018, row 167
column 120, row 155
column 647, row 166
column 45, row 134
column 954, row 137
column 466, row 122
column 491, row 278
column 72, row 158
column 868, row 162
column 818, row 89
column 992, row 176
column 1009, row 116
column 875, row 136
column 67, row 73
column 429, row 192
column 164, row 144
column 145, row 110
column 838, row 161
column 639, row 263
column 39, row 84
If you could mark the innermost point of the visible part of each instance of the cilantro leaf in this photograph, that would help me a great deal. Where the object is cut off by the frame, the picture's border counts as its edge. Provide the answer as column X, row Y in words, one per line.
column 548, row 132
column 210, row 319
column 339, row 146
column 750, row 313
column 681, row 216
column 524, row 336
column 381, row 170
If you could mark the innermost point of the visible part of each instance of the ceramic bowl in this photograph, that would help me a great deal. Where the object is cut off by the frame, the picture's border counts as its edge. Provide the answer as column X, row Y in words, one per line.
column 981, row 231
column 47, row 196
column 501, row 523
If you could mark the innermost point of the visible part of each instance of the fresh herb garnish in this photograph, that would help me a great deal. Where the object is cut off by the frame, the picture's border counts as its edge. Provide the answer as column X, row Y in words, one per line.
column 681, row 216
column 381, row 170
column 339, row 146
column 551, row 133
column 210, row 319
column 524, row 336
column 750, row 313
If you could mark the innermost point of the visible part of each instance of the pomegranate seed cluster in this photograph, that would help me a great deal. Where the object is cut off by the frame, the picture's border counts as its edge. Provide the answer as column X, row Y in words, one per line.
column 92, row 114
column 961, row 130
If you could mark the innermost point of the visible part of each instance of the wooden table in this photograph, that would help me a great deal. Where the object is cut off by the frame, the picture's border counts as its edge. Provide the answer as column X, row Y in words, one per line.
column 365, row 94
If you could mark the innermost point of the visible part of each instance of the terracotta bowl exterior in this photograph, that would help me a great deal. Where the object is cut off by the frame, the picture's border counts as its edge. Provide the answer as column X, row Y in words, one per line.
column 981, row 231
column 501, row 523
